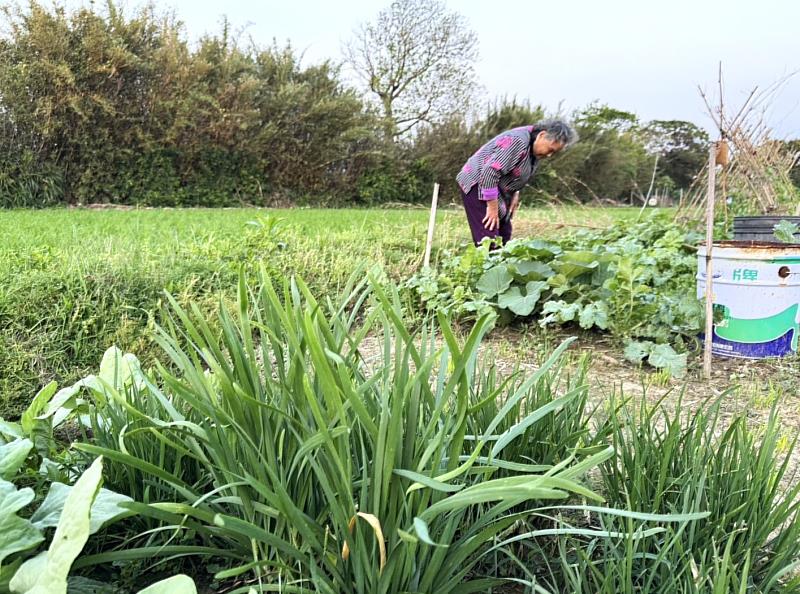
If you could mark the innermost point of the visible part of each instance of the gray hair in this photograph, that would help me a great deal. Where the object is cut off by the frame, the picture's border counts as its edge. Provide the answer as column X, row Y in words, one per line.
column 559, row 131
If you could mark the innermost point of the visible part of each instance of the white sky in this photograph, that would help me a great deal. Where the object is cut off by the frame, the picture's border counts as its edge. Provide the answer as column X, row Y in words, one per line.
column 643, row 56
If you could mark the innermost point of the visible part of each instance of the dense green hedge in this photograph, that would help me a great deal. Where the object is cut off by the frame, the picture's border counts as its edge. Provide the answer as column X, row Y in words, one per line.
column 109, row 108
column 102, row 106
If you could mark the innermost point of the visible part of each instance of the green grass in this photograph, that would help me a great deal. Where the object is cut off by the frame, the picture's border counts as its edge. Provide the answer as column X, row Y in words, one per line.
column 75, row 281
column 160, row 229
column 683, row 462
column 297, row 435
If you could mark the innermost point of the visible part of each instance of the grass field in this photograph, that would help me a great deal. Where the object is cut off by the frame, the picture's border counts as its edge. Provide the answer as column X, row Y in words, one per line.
column 74, row 281
column 111, row 232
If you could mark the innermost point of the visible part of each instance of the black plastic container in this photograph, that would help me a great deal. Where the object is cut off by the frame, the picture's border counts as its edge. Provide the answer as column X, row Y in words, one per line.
column 758, row 228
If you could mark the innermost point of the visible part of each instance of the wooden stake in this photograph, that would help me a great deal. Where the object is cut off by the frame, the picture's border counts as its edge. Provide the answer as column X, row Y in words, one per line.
column 710, row 199
column 431, row 224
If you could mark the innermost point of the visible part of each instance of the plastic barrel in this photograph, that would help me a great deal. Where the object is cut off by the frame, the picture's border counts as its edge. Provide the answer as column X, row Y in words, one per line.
column 758, row 228
column 756, row 298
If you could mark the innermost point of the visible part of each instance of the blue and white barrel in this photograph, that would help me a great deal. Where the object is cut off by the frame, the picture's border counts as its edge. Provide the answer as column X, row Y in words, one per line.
column 756, row 292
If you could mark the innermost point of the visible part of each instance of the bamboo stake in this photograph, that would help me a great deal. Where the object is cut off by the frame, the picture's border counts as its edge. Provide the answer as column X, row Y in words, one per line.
column 431, row 224
column 712, row 175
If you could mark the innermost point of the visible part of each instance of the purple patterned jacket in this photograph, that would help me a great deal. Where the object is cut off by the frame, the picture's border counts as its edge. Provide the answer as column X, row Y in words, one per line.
column 501, row 167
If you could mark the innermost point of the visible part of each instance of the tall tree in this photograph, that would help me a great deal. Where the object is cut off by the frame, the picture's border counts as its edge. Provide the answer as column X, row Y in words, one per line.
column 682, row 148
column 609, row 163
column 417, row 59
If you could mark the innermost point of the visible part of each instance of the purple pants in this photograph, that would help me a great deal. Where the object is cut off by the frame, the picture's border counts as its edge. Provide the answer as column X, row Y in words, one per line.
column 476, row 210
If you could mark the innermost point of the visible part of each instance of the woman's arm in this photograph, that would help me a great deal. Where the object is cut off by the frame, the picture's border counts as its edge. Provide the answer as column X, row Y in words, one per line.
column 503, row 159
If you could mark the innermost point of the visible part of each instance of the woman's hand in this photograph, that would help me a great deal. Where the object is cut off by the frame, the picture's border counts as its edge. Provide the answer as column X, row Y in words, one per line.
column 492, row 219
column 514, row 204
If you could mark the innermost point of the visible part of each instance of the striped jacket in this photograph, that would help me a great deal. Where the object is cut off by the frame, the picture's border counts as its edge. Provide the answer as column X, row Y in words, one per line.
column 501, row 167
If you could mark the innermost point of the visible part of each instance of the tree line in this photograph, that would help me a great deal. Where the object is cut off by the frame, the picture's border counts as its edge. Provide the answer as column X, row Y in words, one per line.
column 97, row 105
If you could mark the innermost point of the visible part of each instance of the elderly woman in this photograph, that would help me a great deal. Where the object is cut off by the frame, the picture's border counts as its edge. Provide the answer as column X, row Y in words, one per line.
column 492, row 178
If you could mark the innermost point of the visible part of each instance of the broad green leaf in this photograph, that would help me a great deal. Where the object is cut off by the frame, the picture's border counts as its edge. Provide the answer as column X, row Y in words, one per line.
column 67, row 401
column 9, row 430
column 12, row 499
column 558, row 312
column 47, row 573
column 16, row 534
column 52, row 470
column 7, row 571
column 112, row 369
column 786, row 231
column 512, row 298
column 494, row 281
column 12, row 457
column 25, row 581
column 522, row 304
column 118, row 369
column 36, row 407
column 663, row 356
column 64, row 398
column 531, row 270
column 105, row 509
column 559, row 284
column 177, row 584
column 574, row 264
column 594, row 314
column 535, row 249
column 601, row 274
column 636, row 351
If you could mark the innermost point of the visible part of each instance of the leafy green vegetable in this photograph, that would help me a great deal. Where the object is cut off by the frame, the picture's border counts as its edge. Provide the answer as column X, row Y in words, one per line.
column 521, row 303
column 37, row 406
column 559, row 312
column 47, row 572
column 663, row 356
column 575, row 263
column 531, row 270
column 786, row 231
column 494, row 281
column 636, row 281
column 118, row 369
column 636, row 351
column 106, row 508
column 16, row 534
column 594, row 314
column 12, row 456
column 10, row 430
column 535, row 249
column 177, row 584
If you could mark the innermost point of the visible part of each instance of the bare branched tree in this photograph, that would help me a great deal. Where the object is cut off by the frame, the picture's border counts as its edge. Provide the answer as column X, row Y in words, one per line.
column 417, row 59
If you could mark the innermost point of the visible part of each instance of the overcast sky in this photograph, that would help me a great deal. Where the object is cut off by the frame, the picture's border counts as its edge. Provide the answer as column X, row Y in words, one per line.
column 637, row 55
